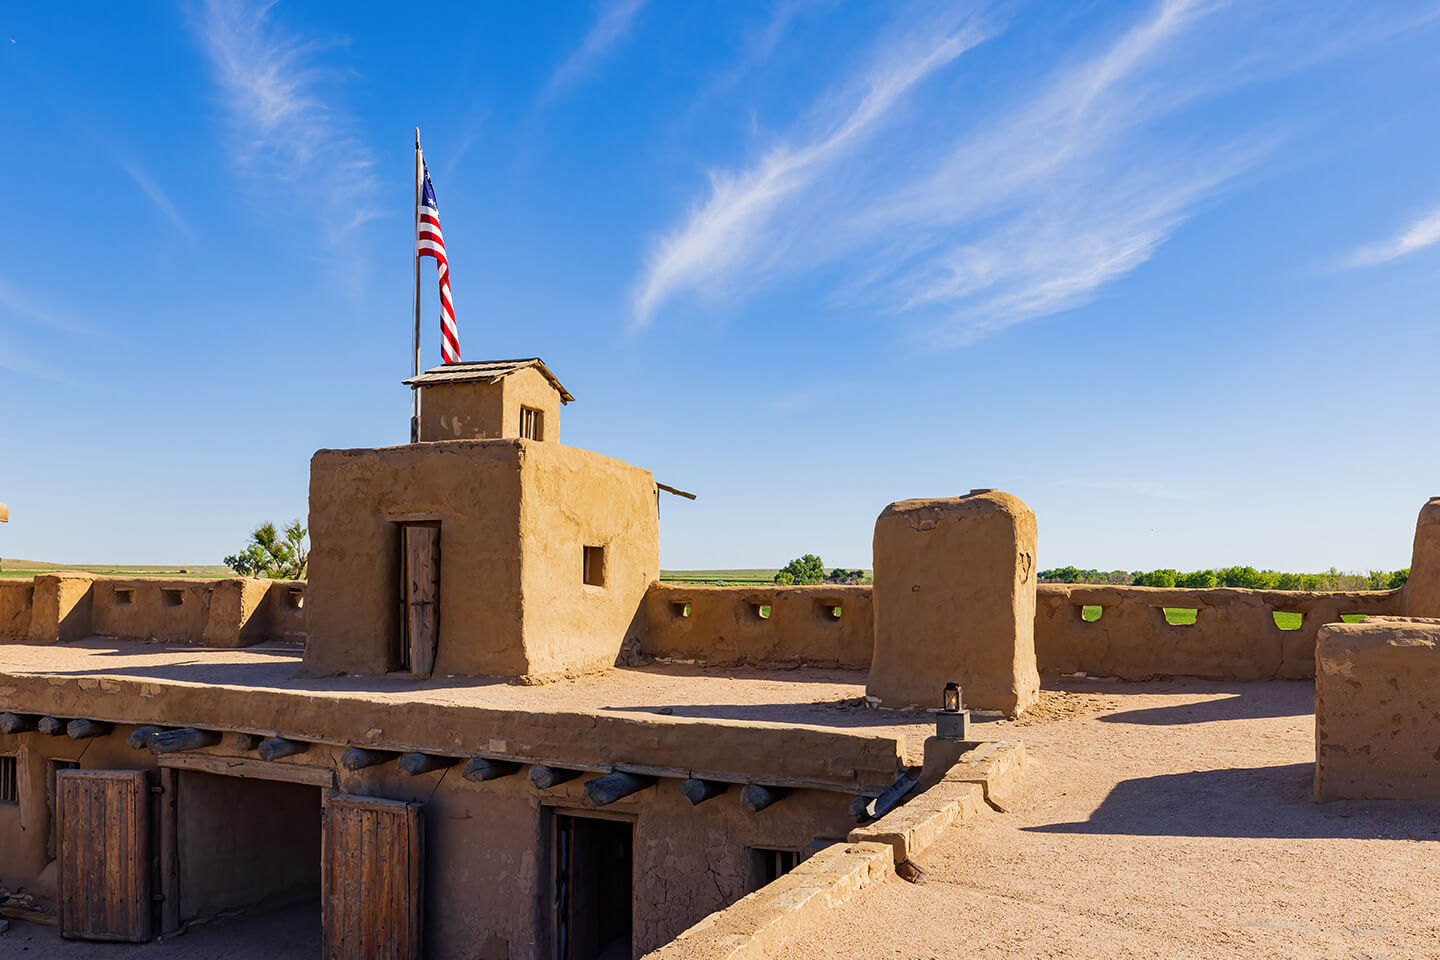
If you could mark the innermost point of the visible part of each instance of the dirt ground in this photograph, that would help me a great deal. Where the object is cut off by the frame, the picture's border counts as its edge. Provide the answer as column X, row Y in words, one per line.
column 291, row 932
column 1163, row 820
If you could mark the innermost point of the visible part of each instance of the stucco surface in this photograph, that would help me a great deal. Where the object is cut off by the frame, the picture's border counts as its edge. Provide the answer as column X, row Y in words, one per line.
column 514, row 516
column 724, row 624
column 954, row 599
column 1377, row 711
column 477, row 410
column 1422, row 590
column 16, row 599
column 1162, row 821
column 1234, row 636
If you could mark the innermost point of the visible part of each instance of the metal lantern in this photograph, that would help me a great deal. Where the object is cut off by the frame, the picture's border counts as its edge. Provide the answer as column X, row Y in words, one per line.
column 952, row 697
column 952, row 721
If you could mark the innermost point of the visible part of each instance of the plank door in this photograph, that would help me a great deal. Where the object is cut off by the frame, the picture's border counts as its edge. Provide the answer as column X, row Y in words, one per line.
column 422, row 594
column 370, row 869
column 103, row 849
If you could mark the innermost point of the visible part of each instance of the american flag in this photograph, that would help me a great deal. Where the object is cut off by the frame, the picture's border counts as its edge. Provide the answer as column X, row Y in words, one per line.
column 430, row 243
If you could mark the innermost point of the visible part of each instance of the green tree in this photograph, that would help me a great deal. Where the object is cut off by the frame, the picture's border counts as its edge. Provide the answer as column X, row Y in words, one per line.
column 785, row 578
column 1157, row 578
column 1248, row 578
column 1198, row 580
column 804, row 570
column 271, row 554
column 1287, row 581
column 1398, row 578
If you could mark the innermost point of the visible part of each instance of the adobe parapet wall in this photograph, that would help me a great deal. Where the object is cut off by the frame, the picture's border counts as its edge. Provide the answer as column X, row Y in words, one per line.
column 218, row 613
column 1234, row 636
column 830, row 626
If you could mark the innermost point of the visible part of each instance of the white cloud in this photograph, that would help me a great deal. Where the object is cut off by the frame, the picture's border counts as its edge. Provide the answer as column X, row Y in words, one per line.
column 612, row 26
column 721, row 234
column 157, row 196
column 1420, row 234
column 970, row 215
column 283, row 126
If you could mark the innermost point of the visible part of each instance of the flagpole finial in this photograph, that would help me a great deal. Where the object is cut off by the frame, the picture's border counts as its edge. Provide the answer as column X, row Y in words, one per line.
column 417, row 136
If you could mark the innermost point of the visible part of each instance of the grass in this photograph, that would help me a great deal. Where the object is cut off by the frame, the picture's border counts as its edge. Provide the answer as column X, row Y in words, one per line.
column 25, row 569
column 1184, row 616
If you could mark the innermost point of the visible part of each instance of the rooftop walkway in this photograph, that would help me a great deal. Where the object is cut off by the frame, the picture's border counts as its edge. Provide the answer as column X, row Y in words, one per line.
column 1163, row 820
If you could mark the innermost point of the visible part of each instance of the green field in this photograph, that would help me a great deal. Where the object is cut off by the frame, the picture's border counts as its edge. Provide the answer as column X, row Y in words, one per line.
column 25, row 569
column 1184, row 616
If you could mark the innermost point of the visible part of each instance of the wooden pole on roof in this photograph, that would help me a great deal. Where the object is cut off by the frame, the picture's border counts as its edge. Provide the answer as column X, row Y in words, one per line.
column 415, row 368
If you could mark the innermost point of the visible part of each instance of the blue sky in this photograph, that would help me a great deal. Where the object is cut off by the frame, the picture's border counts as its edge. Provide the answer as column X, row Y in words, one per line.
column 1166, row 270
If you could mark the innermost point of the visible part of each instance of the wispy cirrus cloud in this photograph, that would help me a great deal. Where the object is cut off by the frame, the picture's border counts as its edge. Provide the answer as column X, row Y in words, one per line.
column 610, row 28
column 723, row 233
column 1424, row 231
column 284, row 127
column 157, row 196
column 966, row 219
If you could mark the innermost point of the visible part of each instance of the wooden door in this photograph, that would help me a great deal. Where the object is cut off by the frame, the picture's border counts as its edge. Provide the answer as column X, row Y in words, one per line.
column 422, row 595
column 370, row 869
column 103, row 849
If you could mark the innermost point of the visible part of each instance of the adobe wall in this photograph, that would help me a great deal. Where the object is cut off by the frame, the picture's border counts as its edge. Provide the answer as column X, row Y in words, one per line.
column 16, row 599
column 462, row 411
column 1422, row 590
column 486, row 844
column 218, row 613
column 530, row 388
column 1377, row 711
column 571, row 499
column 954, row 601
column 357, row 498
column 1234, row 636
column 488, row 411
column 723, row 625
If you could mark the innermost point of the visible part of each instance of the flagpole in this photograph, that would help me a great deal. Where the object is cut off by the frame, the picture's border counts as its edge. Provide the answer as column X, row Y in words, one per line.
column 415, row 369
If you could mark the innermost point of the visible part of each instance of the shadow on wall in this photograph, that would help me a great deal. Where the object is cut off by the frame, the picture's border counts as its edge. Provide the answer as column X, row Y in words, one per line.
column 1246, row 701
column 1255, row 802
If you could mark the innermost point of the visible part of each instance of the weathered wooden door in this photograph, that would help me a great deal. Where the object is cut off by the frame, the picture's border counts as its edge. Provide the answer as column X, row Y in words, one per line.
column 422, row 594
column 103, row 849
column 370, row 868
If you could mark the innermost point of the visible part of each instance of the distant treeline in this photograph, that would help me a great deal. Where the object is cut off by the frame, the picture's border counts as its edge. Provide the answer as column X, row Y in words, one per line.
column 1247, row 577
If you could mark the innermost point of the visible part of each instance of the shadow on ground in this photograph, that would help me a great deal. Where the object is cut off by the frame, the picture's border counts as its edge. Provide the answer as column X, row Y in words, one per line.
column 1247, row 802
column 1244, row 701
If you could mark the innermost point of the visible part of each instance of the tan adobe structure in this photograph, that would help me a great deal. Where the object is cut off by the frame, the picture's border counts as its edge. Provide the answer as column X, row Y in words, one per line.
column 483, row 728
column 490, row 400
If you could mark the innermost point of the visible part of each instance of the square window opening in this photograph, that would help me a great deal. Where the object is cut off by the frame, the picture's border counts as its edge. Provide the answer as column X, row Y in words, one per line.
column 1091, row 612
column 761, row 609
column 681, row 609
column 124, row 596
column 1288, row 619
column 297, row 598
column 828, row 611
column 532, row 423
column 594, row 566
column 172, row 596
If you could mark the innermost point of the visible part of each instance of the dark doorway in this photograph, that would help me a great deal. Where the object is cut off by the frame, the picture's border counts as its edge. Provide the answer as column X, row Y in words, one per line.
column 593, row 869
column 248, row 845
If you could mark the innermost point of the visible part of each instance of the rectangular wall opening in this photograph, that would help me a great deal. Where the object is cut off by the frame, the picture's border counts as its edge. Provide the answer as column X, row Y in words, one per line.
column 828, row 611
column 253, row 847
column 593, row 570
column 1091, row 612
column 532, row 423
column 592, row 871
column 768, row 865
column 681, row 609
column 9, row 780
column 171, row 596
column 1288, row 619
column 124, row 596
column 1181, row 616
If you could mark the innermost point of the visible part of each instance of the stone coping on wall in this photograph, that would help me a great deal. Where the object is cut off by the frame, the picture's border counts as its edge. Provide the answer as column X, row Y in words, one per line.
column 772, row 922
column 254, row 691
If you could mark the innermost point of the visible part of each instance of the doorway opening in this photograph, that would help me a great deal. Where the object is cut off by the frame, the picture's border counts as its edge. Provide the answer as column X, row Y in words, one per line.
column 248, row 846
column 593, row 870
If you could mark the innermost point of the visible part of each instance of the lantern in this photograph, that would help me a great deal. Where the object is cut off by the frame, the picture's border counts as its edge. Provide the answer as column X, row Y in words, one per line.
column 951, row 698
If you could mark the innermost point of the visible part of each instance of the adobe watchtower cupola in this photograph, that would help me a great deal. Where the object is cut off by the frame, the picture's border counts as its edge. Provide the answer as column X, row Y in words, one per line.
column 490, row 400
